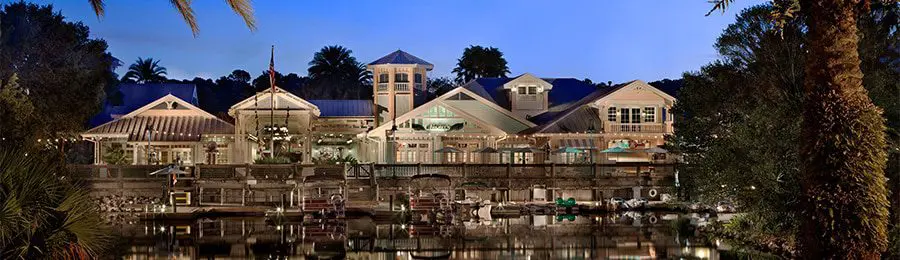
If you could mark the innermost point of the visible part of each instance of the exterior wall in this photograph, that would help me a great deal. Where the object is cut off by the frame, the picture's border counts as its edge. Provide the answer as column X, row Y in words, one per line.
column 394, row 88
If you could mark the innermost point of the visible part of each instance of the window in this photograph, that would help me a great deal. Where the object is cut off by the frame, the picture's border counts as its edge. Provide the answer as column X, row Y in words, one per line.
column 401, row 77
column 383, row 78
column 532, row 90
column 624, row 115
column 611, row 114
column 521, row 90
column 663, row 114
column 635, row 115
column 649, row 114
column 418, row 78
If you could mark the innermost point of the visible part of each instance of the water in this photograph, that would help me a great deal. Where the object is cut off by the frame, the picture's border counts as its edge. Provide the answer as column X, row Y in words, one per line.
column 620, row 236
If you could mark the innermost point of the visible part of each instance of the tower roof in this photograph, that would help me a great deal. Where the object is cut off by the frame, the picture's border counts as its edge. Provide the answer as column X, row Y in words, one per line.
column 401, row 57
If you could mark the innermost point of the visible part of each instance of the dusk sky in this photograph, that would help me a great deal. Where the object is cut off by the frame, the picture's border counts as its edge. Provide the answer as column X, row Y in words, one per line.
column 601, row 40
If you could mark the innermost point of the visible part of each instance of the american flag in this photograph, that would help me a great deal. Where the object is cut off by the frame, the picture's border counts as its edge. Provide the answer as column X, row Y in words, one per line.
column 272, row 70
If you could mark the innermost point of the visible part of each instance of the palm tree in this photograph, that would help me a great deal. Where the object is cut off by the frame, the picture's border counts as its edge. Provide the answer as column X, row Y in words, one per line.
column 480, row 62
column 43, row 216
column 335, row 73
column 241, row 7
column 843, row 195
column 145, row 71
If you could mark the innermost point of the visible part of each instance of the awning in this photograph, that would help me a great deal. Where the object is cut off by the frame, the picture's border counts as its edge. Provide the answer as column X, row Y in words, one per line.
column 578, row 143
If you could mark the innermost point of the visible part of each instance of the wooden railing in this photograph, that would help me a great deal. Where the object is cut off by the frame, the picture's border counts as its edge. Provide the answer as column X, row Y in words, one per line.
column 401, row 86
column 636, row 128
column 282, row 172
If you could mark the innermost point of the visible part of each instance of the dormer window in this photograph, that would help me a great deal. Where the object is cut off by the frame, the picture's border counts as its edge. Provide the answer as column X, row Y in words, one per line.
column 527, row 93
column 401, row 77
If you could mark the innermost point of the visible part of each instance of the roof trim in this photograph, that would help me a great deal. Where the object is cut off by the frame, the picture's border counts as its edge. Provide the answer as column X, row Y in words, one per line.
column 278, row 90
column 167, row 97
column 440, row 99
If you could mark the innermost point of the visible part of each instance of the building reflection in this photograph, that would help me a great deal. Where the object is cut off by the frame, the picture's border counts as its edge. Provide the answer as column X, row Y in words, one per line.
column 527, row 237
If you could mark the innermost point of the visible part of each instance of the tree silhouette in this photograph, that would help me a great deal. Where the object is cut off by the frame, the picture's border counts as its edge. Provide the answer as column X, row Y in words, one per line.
column 480, row 62
column 145, row 71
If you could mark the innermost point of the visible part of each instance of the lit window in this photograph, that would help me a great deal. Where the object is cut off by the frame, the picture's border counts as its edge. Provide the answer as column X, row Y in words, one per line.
column 611, row 114
column 649, row 114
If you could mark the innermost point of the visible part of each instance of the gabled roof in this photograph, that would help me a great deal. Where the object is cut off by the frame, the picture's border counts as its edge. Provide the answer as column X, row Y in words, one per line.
column 136, row 95
column 261, row 100
column 401, row 57
column 565, row 90
column 580, row 116
column 180, row 125
column 344, row 108
column 443, row 100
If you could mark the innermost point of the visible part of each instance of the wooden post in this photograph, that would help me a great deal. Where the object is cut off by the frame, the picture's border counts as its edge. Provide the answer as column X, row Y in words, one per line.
column 222, row 196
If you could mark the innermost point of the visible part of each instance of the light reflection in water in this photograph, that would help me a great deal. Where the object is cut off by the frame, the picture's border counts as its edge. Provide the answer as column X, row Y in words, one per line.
column 526, row 237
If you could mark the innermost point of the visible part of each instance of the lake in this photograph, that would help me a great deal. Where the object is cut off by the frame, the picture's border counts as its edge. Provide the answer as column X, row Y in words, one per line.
column 614, row 236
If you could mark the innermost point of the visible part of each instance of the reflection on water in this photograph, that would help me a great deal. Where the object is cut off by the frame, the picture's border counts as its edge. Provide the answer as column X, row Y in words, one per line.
column 529, row 237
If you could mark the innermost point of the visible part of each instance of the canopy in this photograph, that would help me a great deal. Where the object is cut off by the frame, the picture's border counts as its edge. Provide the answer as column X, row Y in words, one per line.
column 448, row 149
column 578, row 143
column 655, row 150
column 522, row 150
column 169, row 170
column 615, row 150
column 486, row 150
column 569, row 150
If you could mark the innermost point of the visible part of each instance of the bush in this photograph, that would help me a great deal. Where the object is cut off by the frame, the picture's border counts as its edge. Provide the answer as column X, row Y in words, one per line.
column 273, row 160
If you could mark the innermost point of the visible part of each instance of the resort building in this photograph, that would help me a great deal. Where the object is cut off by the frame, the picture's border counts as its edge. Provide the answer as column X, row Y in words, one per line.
column 519, row 120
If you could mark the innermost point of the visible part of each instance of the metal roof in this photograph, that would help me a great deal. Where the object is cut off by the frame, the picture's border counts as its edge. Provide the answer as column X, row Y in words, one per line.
column 344, row 107
column 401, row 57
column 166, row 128
column 135, row 96
column 565, row 90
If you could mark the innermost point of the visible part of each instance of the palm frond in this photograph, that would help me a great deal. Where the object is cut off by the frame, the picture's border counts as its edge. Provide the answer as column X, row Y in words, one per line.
column 243, row 8
column 184, row 8
column 99, row 7
column 719, row 5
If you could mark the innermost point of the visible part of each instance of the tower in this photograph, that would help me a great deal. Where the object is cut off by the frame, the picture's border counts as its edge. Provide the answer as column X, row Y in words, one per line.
column 399, row 84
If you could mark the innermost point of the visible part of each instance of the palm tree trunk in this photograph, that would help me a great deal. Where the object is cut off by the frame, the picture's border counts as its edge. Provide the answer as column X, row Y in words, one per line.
column 843, row 144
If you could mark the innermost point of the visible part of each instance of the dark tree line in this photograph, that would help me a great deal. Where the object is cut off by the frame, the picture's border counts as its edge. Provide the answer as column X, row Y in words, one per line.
column 740, row 127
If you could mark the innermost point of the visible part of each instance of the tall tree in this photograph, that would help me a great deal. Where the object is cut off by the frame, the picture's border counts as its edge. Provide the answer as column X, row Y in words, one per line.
column 56, row 64
column 241, row 7
column 842, row 145
column 335, row 74
column 480, row 62
column 17, row 114
column 145, row 71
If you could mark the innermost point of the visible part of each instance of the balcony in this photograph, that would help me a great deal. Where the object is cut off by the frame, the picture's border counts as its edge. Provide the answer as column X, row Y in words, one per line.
column 401, row 86
column 636, row 128
column 382, row 86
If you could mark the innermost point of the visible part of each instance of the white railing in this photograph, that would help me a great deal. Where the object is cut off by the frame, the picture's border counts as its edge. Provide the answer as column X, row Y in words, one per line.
column 636, row 128
column 401, row 86
column 382, row 86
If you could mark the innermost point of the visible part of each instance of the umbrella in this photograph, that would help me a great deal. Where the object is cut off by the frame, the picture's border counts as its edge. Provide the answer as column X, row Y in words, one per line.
column 169, row 170
column 655, row 150
column 486, row 150
column 615, row 150
column 569, row 150
column 448, row 149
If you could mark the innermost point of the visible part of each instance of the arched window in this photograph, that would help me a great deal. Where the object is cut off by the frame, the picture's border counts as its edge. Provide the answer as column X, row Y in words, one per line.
column 611, row 114
column 383, row 78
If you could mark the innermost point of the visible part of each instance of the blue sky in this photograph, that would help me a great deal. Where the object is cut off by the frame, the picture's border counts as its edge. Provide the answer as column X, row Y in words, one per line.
column 601, row 40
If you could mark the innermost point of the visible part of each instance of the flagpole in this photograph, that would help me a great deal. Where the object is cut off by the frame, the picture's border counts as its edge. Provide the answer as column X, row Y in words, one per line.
column 272, row 103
